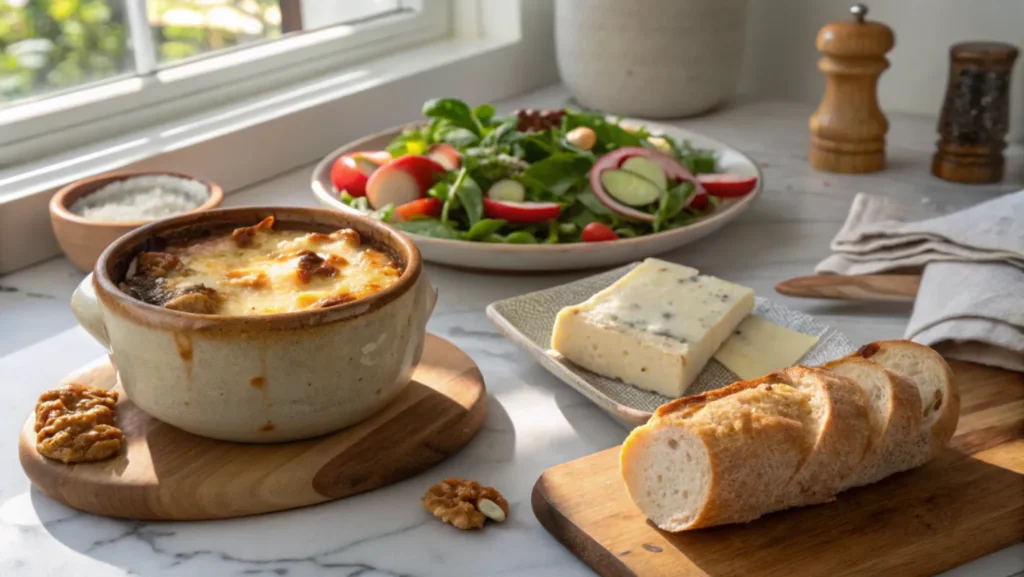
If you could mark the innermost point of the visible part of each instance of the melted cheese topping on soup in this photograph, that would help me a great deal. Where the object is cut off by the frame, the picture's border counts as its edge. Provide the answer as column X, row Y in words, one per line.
column 257, row 270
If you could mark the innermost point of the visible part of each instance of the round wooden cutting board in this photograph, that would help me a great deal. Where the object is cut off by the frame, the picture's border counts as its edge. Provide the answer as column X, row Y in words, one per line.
column 168, row 474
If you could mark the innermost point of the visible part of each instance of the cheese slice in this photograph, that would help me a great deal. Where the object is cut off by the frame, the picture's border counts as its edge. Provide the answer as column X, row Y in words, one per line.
column 758, row 347
column 655, row 328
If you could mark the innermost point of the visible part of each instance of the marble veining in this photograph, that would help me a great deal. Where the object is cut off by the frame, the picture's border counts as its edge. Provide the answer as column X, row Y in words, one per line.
column 534, row 421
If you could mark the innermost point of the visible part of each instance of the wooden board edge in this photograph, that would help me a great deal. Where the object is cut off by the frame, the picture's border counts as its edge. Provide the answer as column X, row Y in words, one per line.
column 576, row 540
column 432, row 451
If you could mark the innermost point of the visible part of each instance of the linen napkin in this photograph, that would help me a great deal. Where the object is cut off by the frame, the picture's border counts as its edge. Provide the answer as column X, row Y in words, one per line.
column 970, row 305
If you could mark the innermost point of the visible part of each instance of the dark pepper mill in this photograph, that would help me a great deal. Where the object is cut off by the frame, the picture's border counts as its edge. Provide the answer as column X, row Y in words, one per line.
column 976, row 113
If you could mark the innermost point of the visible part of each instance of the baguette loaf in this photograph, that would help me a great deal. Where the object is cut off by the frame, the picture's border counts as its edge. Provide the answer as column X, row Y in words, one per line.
column 786, row 439
column 791, row 438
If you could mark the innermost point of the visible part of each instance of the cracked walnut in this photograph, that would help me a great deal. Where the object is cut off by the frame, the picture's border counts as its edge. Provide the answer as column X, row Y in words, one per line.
column 465, row 504
column 75, row 424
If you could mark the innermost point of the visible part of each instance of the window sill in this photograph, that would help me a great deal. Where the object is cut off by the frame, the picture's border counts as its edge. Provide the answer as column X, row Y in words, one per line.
column 254, row 140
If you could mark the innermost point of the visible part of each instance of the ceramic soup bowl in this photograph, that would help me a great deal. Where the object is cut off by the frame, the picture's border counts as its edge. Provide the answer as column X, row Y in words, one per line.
column 265, row 378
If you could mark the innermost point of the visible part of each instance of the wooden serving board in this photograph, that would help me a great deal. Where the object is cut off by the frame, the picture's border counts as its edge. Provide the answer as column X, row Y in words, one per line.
column 965, row 503
column 168, row 474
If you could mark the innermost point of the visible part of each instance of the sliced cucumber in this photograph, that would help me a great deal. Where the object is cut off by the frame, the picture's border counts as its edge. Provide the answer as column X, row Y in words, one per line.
column 507, row 190
column 646, row 168
column 629, row 187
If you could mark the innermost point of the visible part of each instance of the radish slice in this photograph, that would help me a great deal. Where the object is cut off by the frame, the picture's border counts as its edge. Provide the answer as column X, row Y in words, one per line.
column 727, row 185
column 378, row 157
column 507, row 190
column 673, row 170
column 521, row 212
column 402, row 180
column 445, row 155
column 393, row 186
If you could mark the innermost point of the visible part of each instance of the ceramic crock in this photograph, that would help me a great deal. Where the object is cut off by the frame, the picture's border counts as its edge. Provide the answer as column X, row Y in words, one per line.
column 261, row 378
column 650, row 58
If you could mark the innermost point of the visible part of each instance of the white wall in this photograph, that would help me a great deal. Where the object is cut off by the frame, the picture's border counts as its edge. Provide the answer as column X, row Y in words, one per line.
column 781, row 60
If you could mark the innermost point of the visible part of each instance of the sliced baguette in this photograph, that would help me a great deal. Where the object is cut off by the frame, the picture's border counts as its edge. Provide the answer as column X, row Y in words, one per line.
column 934, row 380
column 726, row 465
column 756, row 466
column 894, row 413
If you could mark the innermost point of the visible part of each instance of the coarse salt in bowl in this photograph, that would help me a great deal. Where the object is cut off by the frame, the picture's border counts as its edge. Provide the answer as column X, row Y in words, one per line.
column 89, row 214
column 142, row 198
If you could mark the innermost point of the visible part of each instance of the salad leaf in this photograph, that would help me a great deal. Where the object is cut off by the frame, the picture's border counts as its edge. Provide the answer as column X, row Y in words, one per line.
column 484, row 229
column 587, row 199
column 360, row 203
column 503, row 134
column 484, row 113
column 553, row 232
column 701, row 162
column 426, row 227
column 441, row 191
column 626, row 231
column 558, row 173
column 520, row 237
column 671, row 203
column 454, row 111
column 470, row 197
column 459, row 137
column 385, row 213
column 496, row 166
column 411, row 141
column 609, row 135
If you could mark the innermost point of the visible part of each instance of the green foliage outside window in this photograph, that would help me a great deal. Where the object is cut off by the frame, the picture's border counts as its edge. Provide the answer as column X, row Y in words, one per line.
column 49, row 45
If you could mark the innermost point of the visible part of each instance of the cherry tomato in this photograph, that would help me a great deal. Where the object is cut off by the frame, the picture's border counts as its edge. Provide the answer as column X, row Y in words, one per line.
column 429, row 206
column 699, row 202
column 597, row 232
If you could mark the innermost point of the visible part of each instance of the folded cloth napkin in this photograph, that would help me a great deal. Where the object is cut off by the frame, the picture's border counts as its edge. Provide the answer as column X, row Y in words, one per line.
column 970, row 305
column 882, row 235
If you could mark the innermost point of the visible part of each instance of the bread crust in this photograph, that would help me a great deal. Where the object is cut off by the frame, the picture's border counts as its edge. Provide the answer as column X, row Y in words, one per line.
column 841, row 443
column 896, row 442
column 798, row 436
column 944, row 424
column 752, row 455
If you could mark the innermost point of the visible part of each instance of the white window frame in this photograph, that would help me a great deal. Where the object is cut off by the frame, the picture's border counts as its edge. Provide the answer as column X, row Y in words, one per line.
column 66, row 120
column 494, row 50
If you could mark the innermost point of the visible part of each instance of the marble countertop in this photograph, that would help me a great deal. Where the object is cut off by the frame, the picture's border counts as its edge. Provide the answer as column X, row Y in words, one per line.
column 534, row 421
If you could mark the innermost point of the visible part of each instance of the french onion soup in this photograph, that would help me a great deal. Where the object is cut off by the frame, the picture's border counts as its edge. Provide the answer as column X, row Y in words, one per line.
column 258, row 270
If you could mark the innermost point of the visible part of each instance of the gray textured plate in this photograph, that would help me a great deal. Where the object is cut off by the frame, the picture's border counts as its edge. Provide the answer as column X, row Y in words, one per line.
column 527, row 320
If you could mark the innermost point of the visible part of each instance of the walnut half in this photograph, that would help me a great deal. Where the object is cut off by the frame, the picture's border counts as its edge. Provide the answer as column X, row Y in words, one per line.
column 465, row 504
column 75, row 424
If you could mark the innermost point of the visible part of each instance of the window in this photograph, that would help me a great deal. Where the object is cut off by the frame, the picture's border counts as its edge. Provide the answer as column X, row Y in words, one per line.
column 68, row 63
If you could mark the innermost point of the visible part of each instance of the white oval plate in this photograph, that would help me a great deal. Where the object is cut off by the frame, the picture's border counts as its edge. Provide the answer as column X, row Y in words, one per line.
column 551, row 257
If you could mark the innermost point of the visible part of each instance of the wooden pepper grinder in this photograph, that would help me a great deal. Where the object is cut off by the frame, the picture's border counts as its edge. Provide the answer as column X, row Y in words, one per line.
column 848, row 129
column 976, row 113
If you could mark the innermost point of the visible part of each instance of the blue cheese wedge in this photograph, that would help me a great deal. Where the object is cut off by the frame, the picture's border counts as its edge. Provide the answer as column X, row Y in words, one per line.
column 655, row 328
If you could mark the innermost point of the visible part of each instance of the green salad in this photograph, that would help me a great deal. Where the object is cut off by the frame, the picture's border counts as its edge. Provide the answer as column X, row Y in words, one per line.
column 555, row 176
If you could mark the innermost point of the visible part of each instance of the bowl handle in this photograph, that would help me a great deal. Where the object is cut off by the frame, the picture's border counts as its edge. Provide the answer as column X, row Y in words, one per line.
column 86, row 308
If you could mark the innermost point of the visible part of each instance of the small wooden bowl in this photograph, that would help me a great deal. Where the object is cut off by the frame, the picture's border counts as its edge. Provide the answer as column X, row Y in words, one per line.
column 83, row 239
